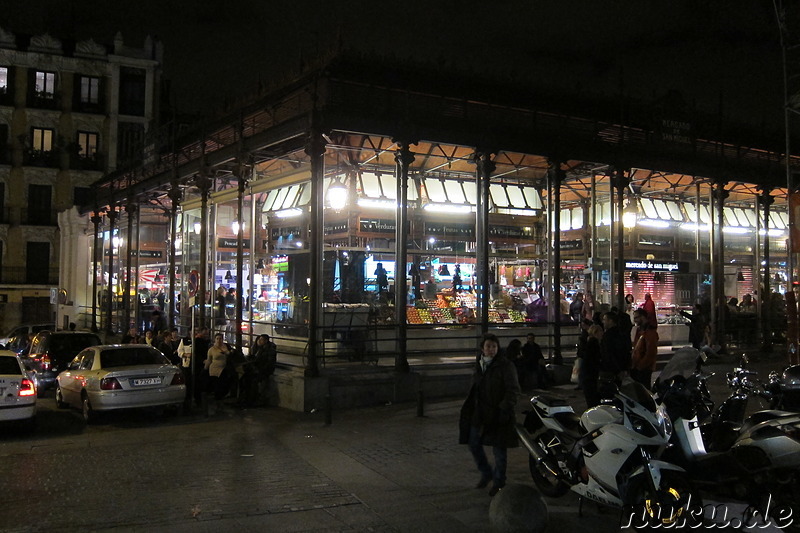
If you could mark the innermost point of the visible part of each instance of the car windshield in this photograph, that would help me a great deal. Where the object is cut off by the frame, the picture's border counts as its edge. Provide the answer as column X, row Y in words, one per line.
column 70, row 345
column 132, row 357
column 9, row 366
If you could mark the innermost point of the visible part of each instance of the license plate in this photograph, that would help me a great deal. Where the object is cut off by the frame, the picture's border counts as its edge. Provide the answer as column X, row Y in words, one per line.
column 139, row 382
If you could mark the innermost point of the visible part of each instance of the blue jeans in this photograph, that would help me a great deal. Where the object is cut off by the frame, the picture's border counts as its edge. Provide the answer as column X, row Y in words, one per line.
column 498, row 475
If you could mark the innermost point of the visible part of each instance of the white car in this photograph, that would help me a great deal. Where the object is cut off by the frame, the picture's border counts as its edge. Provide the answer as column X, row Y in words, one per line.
column 110, row 377
column 17, row 391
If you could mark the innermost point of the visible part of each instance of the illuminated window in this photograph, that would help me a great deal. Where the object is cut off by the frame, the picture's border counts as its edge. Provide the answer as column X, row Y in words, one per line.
column 42, row 139
column 45, row 84
column 87, row 143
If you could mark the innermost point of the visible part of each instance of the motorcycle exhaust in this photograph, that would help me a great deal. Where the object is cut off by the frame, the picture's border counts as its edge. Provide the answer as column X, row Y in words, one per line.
column 534, row 449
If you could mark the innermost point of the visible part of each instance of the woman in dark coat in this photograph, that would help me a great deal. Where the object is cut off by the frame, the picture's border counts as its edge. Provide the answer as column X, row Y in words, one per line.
column 487, row 417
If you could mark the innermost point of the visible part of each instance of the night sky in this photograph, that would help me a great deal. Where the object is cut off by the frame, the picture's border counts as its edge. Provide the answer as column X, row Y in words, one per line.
column 723, row 56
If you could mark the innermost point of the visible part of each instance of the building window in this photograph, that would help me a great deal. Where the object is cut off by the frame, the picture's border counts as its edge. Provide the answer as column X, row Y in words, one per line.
column 130, row 142
column 90, row 90
column 39, row 205
column 3, row 80
column 45, row 84
column 132, row 91
column 42, row 139
column 87, row 144
column 37, row 263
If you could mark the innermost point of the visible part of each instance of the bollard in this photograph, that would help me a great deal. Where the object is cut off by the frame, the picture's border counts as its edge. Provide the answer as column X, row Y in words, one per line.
column 420, row 403
column 328, row 410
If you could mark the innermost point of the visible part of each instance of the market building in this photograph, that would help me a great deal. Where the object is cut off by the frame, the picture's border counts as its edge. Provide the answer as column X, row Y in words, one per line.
column 372, row 213
column 70, row 112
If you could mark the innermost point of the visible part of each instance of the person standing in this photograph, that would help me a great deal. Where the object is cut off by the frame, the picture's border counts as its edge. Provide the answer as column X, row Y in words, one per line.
column 533, row 361
column 199, row 353
column 487, row 416
column 645, row 349
column 615, row 349
column 217, row 364
column 132, row 337
column 576, row 307
column 590, row 368
column 649, row 307
column 698, row 326
column 170, row 347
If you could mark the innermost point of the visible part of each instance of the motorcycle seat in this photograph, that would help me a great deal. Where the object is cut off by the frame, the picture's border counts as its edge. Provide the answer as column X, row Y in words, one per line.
column 550, row 401
column 761, row 416
column 571, row 423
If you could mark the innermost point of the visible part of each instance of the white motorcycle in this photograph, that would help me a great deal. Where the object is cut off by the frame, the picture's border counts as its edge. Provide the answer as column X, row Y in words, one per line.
column 608, row 455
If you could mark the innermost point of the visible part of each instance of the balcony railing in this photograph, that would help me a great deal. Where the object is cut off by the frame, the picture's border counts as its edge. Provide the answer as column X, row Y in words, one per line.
column 29, row 276
column 78, row 162
column 41, row 158
column 39, row 217
column 44, row 101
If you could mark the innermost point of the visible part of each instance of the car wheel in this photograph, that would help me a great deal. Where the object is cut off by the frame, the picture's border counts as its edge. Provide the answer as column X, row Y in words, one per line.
column 89, row 415
column 60, row 403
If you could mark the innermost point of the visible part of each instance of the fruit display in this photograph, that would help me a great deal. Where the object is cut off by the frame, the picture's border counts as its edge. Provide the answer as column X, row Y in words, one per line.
column 516, row 316
column 412, row 316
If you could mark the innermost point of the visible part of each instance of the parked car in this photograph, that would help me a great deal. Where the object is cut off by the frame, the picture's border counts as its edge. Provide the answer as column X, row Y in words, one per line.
column 51, row 352
column 119, row 376
column 17, row 391
column 16, row 340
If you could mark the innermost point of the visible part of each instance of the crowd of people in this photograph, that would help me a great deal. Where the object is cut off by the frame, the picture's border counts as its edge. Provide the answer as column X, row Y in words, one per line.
column 213, row 370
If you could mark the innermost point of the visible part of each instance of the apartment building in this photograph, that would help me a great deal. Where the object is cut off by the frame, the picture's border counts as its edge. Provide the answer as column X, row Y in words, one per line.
column 70, row 112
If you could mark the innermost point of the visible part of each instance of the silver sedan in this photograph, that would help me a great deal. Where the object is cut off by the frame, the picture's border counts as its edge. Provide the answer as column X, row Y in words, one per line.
column 109, row 377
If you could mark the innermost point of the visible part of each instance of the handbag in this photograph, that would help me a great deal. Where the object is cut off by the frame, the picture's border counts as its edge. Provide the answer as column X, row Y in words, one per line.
column 576, row 370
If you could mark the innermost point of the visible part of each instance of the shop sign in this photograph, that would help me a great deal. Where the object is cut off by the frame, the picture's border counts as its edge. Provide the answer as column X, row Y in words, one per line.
column 224, row 242
column 376, row 225
column 333, row 228
column 510, row 232
column 285, row 232
column 150, row 254
column 280, row 263
column 662, row 266
column 575, row 244
column 656, row 240
column 450, row 229
column 674, row 131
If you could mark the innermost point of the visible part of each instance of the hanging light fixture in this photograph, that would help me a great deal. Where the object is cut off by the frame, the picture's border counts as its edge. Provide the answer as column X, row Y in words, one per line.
column 157, row 279
column 739, row 276
column 228, row 276
column 444, row 271
column 337, row 194
column 197, row 228
column 630, row 214
column 260, row 265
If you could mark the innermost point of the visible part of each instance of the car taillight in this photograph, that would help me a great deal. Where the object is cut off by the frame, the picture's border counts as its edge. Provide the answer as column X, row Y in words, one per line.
column 45, row 362
column 110, row 384
column 26, row 388
column 177, row 379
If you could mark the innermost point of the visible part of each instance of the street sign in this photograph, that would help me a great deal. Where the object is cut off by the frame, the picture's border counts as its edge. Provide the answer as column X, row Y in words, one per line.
column 194, row 282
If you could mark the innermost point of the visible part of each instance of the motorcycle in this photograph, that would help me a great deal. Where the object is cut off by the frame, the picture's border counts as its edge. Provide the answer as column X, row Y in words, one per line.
column 608, row 454
column 784, row 389
column 755, row 460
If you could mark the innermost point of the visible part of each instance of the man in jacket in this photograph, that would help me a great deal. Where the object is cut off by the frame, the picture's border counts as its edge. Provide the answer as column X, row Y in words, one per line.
column 615, row 348
column 645, row 349
column 487, row 417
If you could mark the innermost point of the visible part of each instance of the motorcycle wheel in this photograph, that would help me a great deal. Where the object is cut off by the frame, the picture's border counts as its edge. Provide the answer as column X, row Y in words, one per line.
column 544, row 473
column 672, row 504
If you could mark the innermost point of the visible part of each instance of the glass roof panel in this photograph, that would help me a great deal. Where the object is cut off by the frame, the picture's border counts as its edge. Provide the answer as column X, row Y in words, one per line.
column 648, row 208
column 372, row 188
column 435, row 190
column 455, row 192
column 498, row 194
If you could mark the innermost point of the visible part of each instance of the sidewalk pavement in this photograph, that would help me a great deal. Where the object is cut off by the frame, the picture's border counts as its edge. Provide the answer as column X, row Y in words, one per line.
column 378, row 469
